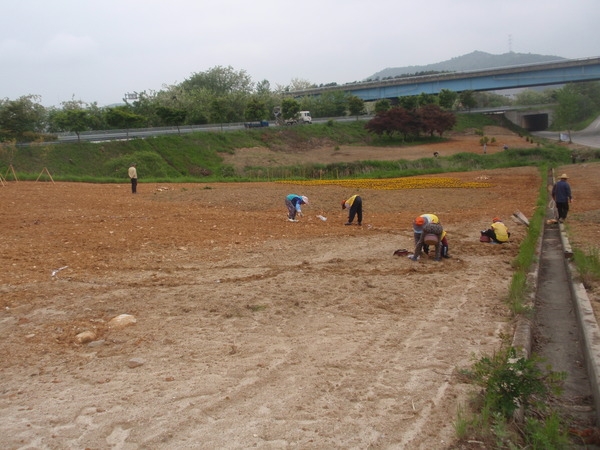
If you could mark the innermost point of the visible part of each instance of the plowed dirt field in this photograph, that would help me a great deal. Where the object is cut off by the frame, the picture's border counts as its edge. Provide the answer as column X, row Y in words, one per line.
column 251, row 331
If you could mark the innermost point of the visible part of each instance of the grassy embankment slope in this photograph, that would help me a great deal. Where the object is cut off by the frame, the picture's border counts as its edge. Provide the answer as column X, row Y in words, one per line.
column 196, row 157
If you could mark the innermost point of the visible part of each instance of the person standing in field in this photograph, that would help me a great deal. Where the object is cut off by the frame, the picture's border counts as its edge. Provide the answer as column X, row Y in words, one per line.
column 561, row 194
column 293, row 203
column 133, row 177
column 355, row 205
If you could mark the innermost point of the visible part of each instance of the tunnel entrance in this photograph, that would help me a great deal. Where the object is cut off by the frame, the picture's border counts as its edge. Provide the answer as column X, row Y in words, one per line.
column 535, row 122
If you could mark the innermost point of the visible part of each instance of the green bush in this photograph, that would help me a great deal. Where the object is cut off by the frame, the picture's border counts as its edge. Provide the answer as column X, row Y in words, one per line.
column 509, row 383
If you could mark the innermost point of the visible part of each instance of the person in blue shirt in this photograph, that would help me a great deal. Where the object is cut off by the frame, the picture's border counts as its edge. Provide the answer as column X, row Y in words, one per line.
column 293, row 203
column 561, row 194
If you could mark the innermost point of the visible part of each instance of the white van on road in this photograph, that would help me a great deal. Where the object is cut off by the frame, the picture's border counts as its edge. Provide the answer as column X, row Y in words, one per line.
column 301, row 117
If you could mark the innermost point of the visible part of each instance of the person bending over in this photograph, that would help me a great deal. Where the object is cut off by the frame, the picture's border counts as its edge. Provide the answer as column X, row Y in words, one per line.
column 434, row 232
column 293, row 202
column 355, row 205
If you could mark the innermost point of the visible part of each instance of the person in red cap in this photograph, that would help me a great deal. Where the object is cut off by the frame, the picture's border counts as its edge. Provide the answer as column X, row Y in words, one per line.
column 355, row 205
column 418, row 225
column 432, row 235
column 497, row 232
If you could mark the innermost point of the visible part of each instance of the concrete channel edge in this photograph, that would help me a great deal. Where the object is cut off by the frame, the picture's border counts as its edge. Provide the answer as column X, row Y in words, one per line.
column 590, row 332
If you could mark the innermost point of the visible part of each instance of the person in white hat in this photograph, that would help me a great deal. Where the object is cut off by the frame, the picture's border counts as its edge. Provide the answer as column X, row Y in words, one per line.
column 293, row 203
column 561, row 194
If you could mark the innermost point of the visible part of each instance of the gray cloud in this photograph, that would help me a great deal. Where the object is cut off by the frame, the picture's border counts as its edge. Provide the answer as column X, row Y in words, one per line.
column 97, row 51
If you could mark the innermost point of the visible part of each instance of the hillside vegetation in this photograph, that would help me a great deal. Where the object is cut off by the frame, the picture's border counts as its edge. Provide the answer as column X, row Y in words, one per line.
column 196, row 157
column 476, row 60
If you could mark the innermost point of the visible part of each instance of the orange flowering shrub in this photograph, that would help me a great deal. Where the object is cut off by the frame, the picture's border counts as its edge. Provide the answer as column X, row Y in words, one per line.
column 396, row 183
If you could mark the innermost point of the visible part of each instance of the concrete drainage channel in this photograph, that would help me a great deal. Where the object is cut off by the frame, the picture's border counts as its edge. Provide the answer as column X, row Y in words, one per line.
column 564, row 331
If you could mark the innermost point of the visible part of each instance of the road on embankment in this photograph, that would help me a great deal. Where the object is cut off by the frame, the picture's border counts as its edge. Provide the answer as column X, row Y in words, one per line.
column 589, row 137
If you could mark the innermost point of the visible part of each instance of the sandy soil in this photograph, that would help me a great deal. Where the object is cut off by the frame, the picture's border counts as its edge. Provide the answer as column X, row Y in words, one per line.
column 250, row 331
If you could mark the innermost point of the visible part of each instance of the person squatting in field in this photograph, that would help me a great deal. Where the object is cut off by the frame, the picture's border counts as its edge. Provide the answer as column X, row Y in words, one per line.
column 355, row 205
column 418, row 225
column 497, row 232
column 431, row 235
column 293, row 202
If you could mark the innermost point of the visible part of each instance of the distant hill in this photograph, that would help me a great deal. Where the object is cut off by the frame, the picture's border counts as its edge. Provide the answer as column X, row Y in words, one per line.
column 472, row 61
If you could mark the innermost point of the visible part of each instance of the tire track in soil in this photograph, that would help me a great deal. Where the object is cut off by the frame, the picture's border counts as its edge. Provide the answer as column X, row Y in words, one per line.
column 394, row 378
column 324, row 363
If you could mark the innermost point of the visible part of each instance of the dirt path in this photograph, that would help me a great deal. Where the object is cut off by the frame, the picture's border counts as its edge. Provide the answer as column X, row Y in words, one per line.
column 250, row 331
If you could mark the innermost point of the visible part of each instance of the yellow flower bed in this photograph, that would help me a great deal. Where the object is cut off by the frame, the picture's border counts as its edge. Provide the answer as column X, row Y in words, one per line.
column 396, row 183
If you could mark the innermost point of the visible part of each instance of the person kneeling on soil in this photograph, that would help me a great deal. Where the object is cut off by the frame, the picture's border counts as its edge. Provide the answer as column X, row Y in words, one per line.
column 355, row 205
column 497, row 232
column 431, row 235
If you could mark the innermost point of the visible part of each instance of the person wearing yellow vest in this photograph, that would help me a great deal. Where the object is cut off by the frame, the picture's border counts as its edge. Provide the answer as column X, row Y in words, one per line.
column 497, row 232
column 418, row 225
column 420, row 222
column 430, row 231
column 355, row 205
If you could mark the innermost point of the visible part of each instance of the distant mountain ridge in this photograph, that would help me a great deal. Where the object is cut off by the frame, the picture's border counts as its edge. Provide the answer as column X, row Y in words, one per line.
column 476, row 60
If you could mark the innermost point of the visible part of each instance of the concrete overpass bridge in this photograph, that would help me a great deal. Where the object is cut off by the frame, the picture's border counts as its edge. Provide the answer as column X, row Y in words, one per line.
column 544, row 74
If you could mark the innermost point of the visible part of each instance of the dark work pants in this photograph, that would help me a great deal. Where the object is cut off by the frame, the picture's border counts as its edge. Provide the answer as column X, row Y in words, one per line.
column 563, row 209
column 134, row 185
column 492, row 235
column 356, row 210
column 291, row 209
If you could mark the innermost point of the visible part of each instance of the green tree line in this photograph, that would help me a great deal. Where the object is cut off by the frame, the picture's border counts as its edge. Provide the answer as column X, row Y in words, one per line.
column 225, row 95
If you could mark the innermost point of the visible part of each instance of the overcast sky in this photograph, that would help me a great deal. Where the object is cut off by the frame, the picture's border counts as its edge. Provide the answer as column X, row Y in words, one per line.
column 96, row 51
